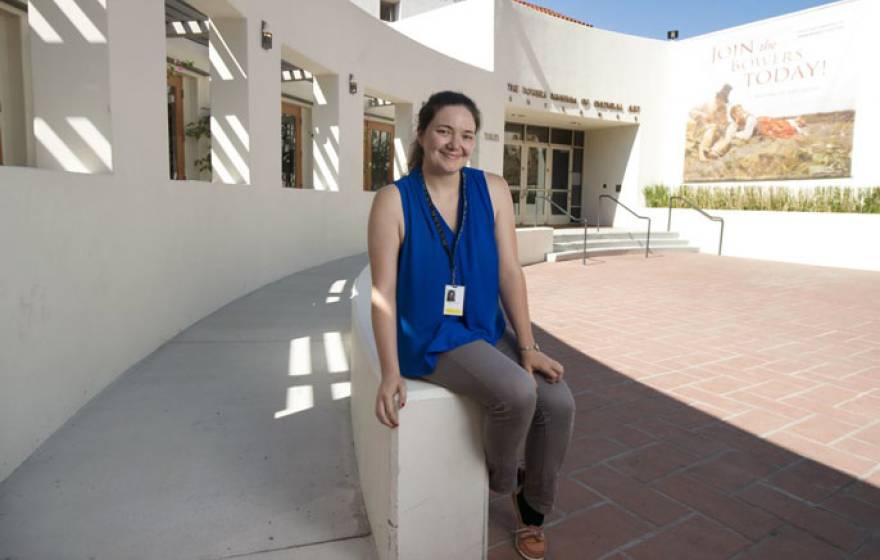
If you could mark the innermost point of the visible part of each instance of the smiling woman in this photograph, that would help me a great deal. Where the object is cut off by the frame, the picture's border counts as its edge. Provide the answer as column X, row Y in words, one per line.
column 442, row 252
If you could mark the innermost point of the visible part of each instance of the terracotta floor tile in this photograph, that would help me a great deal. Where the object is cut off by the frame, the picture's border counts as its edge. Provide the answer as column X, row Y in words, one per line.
column 730, row 371
column 858, row 512
column 791, row 543
column 857, row 446
column 632, row 495
column 745, row 519
column 827, row 526
column 732, row 471
column 809, row 480
column 870, row 550
column 853, row 465
column 695, row 538
column 593, row 533
column 652, row 462
column 758, row 422
column 573, row 496
column 822, row 427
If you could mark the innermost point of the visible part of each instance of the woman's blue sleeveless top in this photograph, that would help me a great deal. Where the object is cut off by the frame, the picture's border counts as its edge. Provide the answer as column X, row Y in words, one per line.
column 423, row 331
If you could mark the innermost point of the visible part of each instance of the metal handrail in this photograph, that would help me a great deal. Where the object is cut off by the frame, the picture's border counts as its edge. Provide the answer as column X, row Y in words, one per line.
column 701, row 211
column 540, row 193
column 627, row 208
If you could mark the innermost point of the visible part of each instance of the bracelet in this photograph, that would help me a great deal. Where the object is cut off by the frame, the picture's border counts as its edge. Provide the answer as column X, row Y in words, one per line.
column 531, row 348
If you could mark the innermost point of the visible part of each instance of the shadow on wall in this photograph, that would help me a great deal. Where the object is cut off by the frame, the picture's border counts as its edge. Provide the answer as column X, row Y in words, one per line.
column 69, row 76
column 607, row 156
column 521, row 38
column 666, row 471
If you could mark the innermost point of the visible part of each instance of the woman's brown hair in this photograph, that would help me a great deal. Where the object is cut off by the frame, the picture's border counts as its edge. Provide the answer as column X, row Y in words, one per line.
column 426, row 114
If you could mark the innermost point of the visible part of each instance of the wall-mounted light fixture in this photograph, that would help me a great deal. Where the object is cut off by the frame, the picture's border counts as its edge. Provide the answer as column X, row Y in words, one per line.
column 352, row 85
column 672, row 35
column 266, row 37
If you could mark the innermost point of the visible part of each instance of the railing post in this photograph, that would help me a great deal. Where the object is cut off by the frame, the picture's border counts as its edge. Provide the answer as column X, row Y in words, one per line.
column 669, row 218
column 584, row 259
column 535, row 215
column 721, row 238
column 648, row 243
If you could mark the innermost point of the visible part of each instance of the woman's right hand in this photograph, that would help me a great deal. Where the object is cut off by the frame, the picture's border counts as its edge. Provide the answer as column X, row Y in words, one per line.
column 386, row 407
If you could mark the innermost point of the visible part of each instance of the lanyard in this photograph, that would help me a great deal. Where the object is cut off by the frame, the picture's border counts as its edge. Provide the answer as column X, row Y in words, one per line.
column 462, row 205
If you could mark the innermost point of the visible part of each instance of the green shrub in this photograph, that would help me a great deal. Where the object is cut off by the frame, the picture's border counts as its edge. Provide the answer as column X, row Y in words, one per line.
column 778, row 199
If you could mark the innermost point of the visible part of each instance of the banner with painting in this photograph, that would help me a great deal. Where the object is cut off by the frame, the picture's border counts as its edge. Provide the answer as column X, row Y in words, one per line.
column 772, row 102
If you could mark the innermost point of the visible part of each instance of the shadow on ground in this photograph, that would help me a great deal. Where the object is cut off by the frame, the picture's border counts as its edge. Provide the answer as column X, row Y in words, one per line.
column 650, row 477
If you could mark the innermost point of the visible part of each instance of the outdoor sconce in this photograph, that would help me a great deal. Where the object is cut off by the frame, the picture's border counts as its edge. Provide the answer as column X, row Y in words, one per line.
column 672, row 35
column 266, row 37
column 352, row 85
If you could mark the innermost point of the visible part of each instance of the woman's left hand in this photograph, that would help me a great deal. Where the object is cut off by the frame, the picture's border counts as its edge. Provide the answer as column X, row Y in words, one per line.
column 538, row 362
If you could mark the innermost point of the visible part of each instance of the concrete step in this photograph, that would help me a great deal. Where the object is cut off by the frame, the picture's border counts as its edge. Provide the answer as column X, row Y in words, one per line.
column 577, row 245
column 595, row 252
column 564, row 235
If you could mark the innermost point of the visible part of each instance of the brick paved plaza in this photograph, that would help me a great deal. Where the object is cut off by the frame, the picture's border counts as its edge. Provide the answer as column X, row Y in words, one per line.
column 727, row 408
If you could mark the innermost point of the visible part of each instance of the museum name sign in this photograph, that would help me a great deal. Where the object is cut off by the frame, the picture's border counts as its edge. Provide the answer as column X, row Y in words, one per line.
column 541, row 94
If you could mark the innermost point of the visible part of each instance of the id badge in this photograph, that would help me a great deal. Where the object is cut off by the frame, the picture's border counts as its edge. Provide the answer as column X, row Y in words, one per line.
column 453, row 300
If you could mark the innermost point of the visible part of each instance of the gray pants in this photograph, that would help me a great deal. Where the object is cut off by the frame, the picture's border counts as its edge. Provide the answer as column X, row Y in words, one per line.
column 516, row 410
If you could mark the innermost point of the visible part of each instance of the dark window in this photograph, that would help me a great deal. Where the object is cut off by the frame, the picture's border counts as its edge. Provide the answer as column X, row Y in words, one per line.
column 380, row 162
column 560, row 136
column 513, row 131
column 579, row 138
column 388, row 11
column 537, row 134
column 288, row 150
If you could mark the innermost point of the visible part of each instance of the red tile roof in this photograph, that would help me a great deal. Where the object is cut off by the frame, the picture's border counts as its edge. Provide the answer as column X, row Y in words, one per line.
column 552, row 13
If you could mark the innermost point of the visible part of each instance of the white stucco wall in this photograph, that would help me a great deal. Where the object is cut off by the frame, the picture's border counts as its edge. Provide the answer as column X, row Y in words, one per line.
column 816, row 238
column 463, row 30
column 410, row 8
column 100, row 270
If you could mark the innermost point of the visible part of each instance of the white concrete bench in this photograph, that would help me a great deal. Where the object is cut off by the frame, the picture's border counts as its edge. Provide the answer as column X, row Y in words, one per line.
column 424, row 483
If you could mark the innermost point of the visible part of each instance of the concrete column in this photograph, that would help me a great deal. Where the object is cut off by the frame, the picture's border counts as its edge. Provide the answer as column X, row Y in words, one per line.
column 404, row 135
column 337, row 134
column 325, row 132
column 351, row 141
column 265, row 110
column 140, row 110
column 71, row 93
column 229, row 40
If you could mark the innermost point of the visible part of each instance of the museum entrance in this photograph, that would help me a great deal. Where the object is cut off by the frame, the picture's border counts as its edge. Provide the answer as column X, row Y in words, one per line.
column 543, row 164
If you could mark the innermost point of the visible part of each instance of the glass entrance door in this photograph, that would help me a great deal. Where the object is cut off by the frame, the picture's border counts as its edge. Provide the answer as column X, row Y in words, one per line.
column 513, row 169
column 559, row 186
column 533, row 208
column 543, row 164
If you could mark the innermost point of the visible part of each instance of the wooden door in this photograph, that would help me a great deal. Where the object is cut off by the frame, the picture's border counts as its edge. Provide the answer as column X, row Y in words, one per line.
column 378, row 155
column 176, row 132
column 291, row 145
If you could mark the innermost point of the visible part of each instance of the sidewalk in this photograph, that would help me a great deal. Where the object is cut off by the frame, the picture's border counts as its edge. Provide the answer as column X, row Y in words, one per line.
column 231, row 440
column 727, row 408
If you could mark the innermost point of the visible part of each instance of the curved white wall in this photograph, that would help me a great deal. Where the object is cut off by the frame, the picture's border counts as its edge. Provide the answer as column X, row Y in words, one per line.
column 100, row 270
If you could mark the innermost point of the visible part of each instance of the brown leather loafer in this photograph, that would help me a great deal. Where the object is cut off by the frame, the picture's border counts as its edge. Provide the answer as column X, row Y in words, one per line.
column 529, row 540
